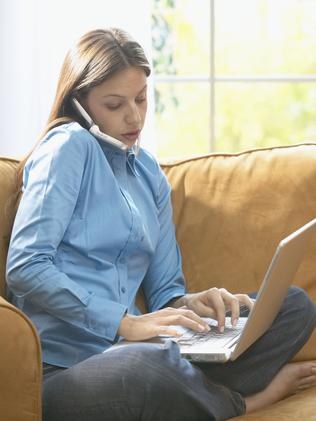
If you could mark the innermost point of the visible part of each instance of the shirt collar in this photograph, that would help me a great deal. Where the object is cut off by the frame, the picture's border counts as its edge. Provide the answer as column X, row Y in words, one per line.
column 131, row 158
column 129, row 155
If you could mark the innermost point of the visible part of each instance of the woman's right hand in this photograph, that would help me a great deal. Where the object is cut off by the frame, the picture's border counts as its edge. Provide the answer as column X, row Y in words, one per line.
column 146, row 326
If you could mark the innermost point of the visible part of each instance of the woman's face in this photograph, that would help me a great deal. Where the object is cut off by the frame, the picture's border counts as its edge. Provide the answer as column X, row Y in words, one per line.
column 118, row 105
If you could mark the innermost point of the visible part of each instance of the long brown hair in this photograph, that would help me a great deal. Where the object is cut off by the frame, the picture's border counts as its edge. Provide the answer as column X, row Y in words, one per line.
column 97, row 56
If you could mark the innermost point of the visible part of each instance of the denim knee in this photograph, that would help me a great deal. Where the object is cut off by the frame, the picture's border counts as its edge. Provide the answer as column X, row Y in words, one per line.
column 298, row 300
column 150, row 374
column 140, row 381
column 151, row 364
column 299, row 313
column 118, row 384
column 173, row 387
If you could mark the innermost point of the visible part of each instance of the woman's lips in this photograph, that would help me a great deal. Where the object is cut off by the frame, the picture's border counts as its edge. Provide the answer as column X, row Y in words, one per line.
column 131, row 136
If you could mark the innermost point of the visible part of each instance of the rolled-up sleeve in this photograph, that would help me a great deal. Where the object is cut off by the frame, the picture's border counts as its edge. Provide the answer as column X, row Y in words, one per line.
column 53, row 180
column 164, row 279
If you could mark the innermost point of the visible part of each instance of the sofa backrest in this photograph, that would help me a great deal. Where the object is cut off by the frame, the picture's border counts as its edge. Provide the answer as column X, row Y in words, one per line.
column 7, row 211
column 231, row 211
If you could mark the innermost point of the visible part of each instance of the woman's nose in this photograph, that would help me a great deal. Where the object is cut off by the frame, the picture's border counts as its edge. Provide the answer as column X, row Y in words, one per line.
column 133, row 115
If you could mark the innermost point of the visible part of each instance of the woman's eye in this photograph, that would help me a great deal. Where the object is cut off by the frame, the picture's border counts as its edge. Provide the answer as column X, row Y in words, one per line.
column 113, row 106
column 141, row 99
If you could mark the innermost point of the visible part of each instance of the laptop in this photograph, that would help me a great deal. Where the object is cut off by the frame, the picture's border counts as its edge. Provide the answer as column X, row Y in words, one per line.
column 229, row 345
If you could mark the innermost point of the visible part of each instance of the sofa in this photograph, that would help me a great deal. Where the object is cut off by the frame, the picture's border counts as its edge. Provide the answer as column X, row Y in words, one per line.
column 230, row 212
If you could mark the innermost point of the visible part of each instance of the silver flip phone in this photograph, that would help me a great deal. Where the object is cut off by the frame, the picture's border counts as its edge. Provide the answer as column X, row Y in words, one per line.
column 94, row 129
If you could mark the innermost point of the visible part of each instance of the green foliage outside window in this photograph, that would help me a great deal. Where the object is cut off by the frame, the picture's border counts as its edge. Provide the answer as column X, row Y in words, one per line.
column 252, row 38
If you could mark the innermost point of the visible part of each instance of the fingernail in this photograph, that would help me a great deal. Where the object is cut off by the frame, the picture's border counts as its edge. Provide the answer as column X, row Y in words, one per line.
column 234, row 323
column 201, row 328
column 221, row 329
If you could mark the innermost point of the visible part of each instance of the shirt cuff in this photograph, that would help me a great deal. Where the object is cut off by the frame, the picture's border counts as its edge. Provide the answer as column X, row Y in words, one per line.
column 103, row 317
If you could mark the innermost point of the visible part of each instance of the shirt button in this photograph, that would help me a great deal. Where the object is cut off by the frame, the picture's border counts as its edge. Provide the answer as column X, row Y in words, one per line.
column 123, row 289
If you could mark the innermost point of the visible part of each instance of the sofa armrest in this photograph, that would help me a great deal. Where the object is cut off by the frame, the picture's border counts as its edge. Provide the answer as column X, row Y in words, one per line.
column 20, row 366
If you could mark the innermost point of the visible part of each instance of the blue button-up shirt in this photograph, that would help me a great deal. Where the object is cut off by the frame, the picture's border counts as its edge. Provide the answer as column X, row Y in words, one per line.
column 94, row 223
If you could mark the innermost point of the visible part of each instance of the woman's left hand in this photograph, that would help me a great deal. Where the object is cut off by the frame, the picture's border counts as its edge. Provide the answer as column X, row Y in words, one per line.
column 215, row 302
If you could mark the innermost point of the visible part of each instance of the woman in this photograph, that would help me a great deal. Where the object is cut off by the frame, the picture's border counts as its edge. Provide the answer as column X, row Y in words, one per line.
column 93, row 225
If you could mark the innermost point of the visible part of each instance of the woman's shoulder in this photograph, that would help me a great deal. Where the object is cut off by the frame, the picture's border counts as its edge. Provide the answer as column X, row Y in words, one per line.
column 61, row 145
column 148, row 161
column 149, row 167
column 63, row 149
column 69, row 136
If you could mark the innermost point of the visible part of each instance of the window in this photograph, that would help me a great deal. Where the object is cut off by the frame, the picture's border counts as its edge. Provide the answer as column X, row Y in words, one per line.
column 231, row 75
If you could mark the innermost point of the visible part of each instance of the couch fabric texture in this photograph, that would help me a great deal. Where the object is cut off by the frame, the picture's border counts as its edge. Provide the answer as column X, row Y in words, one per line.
column 230, row 212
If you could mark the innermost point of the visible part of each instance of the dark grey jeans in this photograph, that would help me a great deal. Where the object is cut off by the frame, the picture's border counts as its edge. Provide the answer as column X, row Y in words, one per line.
column 150, row 383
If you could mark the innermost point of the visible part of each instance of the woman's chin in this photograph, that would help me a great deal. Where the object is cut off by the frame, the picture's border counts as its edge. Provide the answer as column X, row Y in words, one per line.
column 129, row 143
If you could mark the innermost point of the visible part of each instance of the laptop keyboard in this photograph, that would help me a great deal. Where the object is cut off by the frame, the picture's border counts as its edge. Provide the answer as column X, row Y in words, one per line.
column 190, row 337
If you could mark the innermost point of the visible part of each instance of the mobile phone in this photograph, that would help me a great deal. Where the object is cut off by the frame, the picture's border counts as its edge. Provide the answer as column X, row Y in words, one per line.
column 94, row 129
